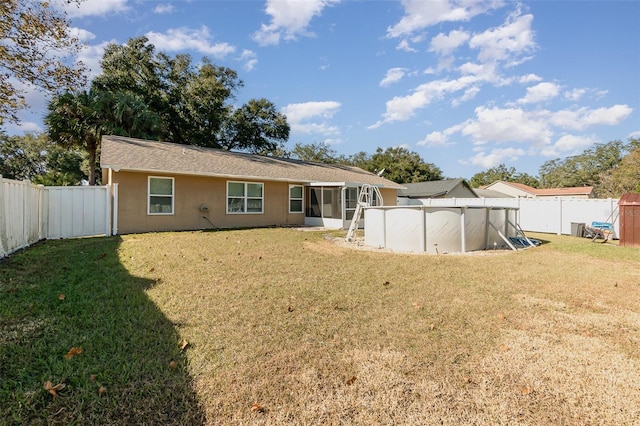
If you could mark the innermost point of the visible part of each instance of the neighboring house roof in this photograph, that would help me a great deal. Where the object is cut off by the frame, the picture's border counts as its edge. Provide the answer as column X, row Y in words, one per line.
column 559, row 192
column 489, row 193
column 546, row 192
column 431, row 189
column 121, row 153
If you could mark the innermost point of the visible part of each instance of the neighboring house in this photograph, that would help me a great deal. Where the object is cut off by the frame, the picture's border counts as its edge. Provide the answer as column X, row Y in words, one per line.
column 448, row 188
column 520, row 190
column 488, row 193
column 165, row 186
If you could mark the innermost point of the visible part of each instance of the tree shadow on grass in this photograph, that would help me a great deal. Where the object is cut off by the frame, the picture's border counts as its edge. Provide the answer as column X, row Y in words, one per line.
column 68, row 294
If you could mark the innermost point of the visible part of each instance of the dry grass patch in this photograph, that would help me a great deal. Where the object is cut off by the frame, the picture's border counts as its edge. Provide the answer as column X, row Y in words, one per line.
column 288, row 327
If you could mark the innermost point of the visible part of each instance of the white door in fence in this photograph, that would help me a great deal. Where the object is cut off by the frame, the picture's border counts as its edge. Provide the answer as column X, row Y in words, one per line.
column 78, row 211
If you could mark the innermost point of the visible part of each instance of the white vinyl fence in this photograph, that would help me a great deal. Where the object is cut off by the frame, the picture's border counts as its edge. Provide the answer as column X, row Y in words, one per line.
column 20, row 215
column 29, row 213
column 548, row 215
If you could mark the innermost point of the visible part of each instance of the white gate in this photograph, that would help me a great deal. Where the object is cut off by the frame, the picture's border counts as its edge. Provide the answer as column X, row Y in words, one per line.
column 77, row 211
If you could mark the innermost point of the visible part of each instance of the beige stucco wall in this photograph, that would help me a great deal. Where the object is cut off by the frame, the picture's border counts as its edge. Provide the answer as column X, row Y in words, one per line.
column 190, row 192
column 389, row 196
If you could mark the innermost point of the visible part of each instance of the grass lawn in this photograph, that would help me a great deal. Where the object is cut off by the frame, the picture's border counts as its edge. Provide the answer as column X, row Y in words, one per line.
column 280, row 326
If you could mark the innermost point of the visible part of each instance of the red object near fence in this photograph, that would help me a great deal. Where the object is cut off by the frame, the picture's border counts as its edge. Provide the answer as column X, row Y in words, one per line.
column 629, row 206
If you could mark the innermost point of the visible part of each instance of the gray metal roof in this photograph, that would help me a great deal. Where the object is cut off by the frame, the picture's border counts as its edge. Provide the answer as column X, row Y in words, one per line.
column 434, row 188
column 121, row 153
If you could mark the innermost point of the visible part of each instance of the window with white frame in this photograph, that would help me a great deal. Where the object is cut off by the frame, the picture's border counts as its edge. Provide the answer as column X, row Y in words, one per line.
column 160, row 195
column 245, row 197
column 296, row 200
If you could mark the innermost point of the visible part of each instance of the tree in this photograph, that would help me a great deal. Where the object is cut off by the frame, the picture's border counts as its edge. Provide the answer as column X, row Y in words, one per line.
column 72, row 123
column 319, row 152
column 35, row 158
column 623, row 178
column 194, row 103
column 78, row 121
column 584, row 169
column 400, row 165
column 35, row 44
column 255, row 127
column 502, row 173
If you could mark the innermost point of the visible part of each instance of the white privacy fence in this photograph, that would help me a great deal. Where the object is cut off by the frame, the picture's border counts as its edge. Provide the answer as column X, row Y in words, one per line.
column 548, row 215
column 29, row 213
column 20, row 215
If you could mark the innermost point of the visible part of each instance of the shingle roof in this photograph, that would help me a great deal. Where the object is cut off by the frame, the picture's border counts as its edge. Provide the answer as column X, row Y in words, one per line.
column 489, row 193
column 121, row 153
column 430, row 189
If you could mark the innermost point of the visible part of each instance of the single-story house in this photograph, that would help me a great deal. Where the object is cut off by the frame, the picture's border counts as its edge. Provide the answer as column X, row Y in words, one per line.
column 160, row 186
column 447, row 188
column 520, row 190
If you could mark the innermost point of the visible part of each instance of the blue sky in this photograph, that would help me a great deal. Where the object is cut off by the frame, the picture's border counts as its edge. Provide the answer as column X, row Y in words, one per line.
column 468, row 85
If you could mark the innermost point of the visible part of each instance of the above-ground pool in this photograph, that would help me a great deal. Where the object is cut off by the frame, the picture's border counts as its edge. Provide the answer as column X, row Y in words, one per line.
column 440, row 229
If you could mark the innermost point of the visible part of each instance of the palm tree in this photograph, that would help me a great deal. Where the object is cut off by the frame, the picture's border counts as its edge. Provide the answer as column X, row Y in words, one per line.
column 74, row 122
column 78, row 120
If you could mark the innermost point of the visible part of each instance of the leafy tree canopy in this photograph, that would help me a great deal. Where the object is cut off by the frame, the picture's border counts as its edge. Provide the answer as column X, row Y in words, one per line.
column 503, row 173
column 194, row 104
column 35, row 45
column 319, row 152
column 400, row 165
column 584, row 169
column 623, row 178
column 35, row 158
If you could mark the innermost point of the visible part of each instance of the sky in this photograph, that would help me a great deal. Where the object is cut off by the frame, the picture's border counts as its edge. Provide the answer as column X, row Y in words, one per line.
column 468, row 85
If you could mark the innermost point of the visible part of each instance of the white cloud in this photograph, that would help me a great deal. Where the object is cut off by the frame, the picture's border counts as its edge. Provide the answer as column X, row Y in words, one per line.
column 402, row 108
column 81, row 34
column 163, row 8
column 420, row 14
column 503, row 43
column 495, row 157
column 92, row 7
column 575, row 94
column 179, row 39
column 434, row 139
column 583, row 118
column 634, row 135
column 529, row 78
column 289, row 19
column 303, row 111
column 311, row 117
column 314, row 128
column 507, row 125
column 540, row 92
column 393, row 75
column 445, row 44
column 569, row 143
column 469, row 94
column 249, row 58
column 404, row 45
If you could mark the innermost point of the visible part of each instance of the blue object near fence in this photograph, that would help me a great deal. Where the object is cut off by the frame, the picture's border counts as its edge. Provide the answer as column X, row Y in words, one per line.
column 602, row 225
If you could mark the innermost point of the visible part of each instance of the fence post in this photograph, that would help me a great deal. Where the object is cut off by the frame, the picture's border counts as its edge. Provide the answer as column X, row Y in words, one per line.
column 4, row 247
column 114, row 209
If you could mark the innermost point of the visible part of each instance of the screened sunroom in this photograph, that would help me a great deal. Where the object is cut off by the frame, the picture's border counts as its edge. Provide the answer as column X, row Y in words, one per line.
column 332, row 205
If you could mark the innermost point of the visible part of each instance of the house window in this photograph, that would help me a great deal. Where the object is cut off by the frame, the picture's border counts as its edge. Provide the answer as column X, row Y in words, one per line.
column 244, row 197
column 160, row 195
column 296, row 198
